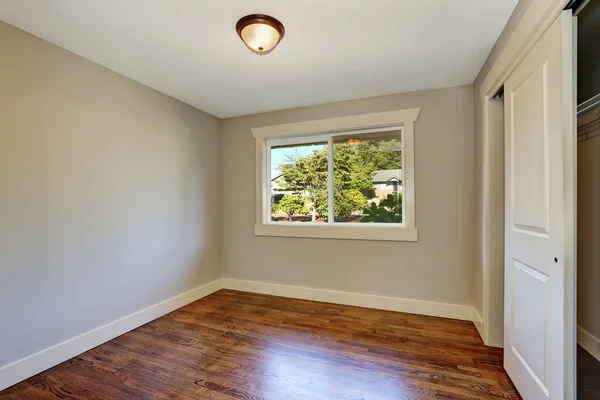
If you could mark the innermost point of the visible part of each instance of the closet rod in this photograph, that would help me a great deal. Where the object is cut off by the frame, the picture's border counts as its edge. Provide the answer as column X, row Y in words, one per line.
column 588, row 104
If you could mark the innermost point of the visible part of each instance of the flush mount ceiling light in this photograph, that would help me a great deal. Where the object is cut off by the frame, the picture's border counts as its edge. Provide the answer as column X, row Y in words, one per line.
column 261, row 33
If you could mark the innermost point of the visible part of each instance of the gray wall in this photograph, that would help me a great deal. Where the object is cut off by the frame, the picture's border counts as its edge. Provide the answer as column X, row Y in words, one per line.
column 437, row 268
column 109, row 196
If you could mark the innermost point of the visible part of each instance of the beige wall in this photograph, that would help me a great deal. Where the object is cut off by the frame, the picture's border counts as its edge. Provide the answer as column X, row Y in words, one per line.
column 109, row 196
column 437, row 268
column 588, row 235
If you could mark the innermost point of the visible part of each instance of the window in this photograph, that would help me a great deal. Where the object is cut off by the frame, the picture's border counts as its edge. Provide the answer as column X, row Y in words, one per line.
column 344, row 178
column 367, row 170
column 299, row 179
column 365, row 185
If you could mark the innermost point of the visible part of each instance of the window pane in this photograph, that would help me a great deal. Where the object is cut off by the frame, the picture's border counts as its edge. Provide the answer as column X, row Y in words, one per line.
column 367, row 171
column 299, row 183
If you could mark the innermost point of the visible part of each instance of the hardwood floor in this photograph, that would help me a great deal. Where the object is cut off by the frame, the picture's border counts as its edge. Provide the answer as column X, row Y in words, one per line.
column 588, row 376
column 236, row 345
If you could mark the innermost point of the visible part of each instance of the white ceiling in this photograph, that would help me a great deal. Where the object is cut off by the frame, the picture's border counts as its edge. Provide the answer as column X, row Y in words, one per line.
column 333, row 49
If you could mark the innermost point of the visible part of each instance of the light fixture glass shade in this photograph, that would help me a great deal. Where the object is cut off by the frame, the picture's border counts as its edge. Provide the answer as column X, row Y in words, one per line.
column 261, row 33
column 261, row 38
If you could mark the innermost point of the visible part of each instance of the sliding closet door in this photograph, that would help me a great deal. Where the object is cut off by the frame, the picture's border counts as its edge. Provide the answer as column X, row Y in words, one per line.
column 537, row 121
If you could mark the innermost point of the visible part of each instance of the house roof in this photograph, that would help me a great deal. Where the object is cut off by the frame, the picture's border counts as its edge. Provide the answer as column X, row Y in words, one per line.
column 388, row 175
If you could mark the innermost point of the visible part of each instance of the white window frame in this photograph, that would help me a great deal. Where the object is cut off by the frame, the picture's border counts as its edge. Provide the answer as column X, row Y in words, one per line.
column 324, row 130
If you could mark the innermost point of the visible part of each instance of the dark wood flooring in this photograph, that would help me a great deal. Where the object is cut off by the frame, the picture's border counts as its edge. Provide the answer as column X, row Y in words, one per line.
column 588, row 376
column 236, row 345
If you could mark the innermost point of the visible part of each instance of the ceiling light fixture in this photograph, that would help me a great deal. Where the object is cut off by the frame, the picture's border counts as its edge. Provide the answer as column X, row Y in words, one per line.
column 261, row 33
column 353, row 141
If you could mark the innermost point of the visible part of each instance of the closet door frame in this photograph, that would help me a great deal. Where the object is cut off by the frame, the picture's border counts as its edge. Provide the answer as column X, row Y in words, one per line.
column 536, row 20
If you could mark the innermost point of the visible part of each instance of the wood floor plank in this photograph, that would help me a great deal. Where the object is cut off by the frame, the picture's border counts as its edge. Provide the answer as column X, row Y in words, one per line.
column 238, row 345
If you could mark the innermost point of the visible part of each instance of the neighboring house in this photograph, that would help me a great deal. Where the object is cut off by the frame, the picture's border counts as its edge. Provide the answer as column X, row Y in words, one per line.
column 277, row 183
column 277, row 189
column 387, row 181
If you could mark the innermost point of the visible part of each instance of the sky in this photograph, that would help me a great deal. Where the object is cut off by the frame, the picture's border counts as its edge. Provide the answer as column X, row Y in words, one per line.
column 278, row 155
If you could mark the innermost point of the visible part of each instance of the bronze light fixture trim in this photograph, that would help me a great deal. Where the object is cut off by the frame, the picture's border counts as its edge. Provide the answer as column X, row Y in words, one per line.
column 261, row 33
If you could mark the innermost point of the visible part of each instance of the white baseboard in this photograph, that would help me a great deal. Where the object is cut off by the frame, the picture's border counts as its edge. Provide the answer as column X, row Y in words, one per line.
column 589, row 342
column 430, row 308
column 479, row 324
column 33, row 364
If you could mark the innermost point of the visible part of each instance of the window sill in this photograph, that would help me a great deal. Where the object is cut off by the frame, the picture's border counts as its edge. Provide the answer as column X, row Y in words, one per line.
column 328, row 231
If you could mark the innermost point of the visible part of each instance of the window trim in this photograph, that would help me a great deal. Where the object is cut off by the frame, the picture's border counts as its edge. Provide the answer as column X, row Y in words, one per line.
column 323, row 129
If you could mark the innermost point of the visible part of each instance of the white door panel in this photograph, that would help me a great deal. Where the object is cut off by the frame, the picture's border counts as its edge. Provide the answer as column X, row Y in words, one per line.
column 535, row 241
column 529, row 315
column 530, row 138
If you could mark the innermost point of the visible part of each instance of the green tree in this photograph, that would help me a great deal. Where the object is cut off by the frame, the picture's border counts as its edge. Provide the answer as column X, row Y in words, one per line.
column 321, row 204
column 344, row 203
column 389, row 210
column 351, row 171
column 347, row 201
column 291, row 205
column 383, row 154
column 356, row 164
column 306, row 176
